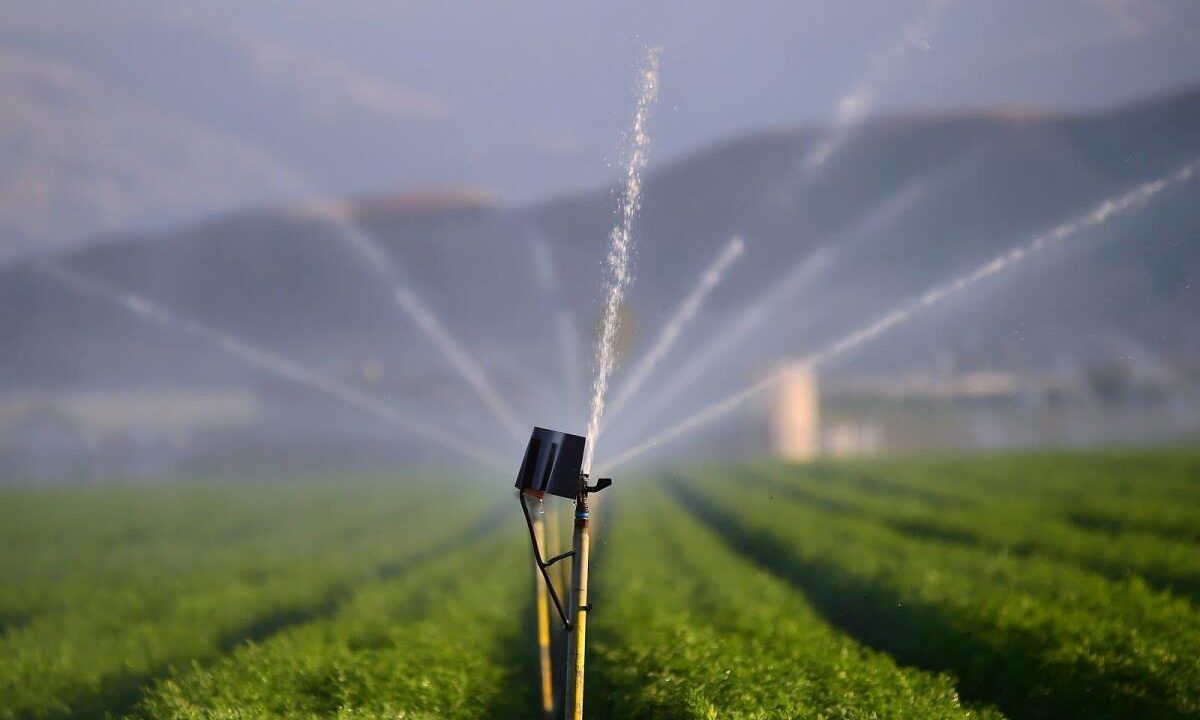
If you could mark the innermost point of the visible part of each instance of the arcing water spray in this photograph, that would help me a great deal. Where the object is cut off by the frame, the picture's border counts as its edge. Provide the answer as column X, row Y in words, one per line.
column 621, row 248
column 1099, row 215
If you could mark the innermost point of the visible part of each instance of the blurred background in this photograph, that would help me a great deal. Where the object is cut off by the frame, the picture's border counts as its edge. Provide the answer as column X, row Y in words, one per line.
column 274, row 172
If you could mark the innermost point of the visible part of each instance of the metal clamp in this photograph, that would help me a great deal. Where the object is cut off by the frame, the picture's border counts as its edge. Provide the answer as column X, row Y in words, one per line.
column 600, row 485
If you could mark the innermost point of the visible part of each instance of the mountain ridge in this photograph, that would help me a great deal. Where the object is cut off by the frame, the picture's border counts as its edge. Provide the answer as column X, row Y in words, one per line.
column 901, row 207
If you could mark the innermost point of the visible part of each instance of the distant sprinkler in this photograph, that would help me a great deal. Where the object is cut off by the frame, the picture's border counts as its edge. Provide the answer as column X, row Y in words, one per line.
column 553, row 465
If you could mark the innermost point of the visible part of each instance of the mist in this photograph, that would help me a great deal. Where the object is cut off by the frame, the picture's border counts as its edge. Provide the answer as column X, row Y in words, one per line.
column 407, row 210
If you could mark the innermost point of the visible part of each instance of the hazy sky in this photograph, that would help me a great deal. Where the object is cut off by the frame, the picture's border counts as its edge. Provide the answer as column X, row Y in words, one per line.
column 524, row 99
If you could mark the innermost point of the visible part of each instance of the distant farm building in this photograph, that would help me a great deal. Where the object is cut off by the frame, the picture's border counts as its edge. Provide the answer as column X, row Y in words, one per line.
column 795, row 425
column 113, row 433
column 983, row 410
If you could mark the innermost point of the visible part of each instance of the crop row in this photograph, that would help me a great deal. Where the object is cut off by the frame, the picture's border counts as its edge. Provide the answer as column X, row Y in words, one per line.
column 684, row 627
column 1147, row 492
column 195, row 591
column 447, row 639
column 1010, row 523
column 1036, row 636
column 58, row 546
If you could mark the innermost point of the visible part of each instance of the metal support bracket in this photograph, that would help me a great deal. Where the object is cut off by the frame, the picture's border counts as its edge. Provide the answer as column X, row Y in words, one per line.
column 560, row 556
column 544, row 565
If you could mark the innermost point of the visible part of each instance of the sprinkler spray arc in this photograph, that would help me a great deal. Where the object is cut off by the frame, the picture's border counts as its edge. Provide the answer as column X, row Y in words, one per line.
column 559, row 463
column 620, row 251
column 1130, row 200
column 144, row 308
column 553, row 465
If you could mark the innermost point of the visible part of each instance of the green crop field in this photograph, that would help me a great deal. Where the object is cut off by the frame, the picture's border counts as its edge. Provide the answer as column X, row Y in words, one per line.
column 1022, row 586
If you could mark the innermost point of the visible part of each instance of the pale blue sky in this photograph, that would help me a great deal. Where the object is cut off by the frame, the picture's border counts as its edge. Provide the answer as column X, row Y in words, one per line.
column 529, row 99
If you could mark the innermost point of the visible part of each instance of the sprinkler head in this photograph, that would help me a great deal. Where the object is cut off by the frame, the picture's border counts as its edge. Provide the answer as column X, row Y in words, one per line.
column 553, row 461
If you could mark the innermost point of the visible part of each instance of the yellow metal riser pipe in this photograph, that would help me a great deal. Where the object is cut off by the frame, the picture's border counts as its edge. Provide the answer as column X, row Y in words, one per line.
column 542, row 605
column 576, row 639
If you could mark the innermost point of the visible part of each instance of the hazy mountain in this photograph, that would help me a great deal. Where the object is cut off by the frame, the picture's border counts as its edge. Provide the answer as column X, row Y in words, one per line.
column 529, row 98
column 80, row 158
column 906, row 203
